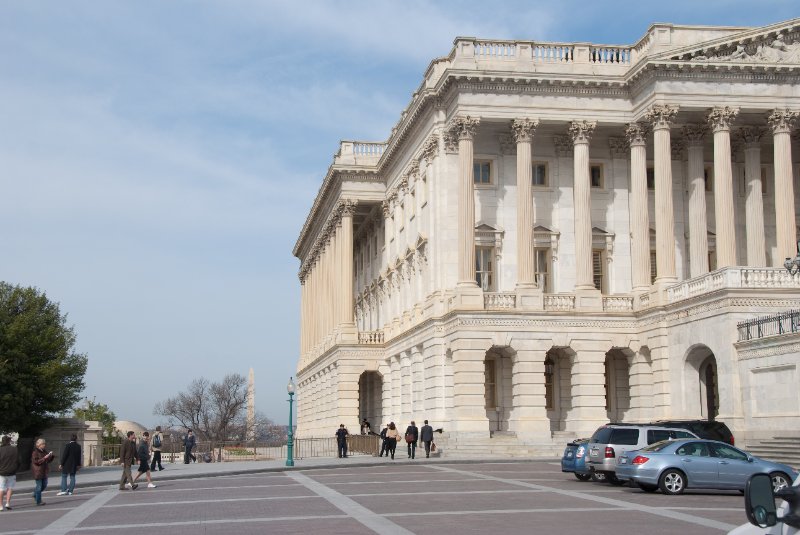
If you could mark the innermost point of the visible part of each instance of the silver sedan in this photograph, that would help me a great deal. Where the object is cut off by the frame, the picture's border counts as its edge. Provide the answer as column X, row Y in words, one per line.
column 675, row 465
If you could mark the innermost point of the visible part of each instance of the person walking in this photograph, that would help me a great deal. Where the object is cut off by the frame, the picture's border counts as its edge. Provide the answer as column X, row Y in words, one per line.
column 40, row 467
column 426, row 436
column 69, row 464
column 127, row 454
column 341, row 441
column 156, row 447
column 383, row 441
column 412, row 436
column 392, row 436
column 9, row 464
column 144, row 460
column 189, row 442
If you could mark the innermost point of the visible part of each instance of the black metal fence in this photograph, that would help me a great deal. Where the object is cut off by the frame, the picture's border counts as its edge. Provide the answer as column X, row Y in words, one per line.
column 788, row 322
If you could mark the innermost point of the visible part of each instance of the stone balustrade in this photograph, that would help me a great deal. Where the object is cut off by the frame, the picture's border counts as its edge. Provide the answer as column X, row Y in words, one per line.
column 359, row 152
column 559, row 302
column 370, row 337
column 618, row 303
column 733, row 277
column 543, row 54
column 499, row 300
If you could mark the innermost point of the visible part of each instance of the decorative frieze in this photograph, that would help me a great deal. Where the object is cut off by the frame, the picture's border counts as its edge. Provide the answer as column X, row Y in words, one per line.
column 779, row 49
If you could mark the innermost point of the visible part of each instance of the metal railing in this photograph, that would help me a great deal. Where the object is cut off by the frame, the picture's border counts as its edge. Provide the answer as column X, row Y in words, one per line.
column 788, row 322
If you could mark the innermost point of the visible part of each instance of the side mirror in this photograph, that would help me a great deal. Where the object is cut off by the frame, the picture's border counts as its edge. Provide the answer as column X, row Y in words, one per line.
column 750, row 459
column 759, row 501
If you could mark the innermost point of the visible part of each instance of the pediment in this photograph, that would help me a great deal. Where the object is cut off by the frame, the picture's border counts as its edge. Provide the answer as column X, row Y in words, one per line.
column 775, row 44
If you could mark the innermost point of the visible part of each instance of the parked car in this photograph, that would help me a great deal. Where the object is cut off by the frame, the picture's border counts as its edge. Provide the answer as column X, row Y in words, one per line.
column 574, row 459
column 675, row 465
column 710, row 429
column 764, row 517
column 611, row 440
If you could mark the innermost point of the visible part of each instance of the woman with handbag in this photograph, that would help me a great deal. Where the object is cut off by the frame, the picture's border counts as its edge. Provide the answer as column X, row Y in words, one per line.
column 392, row 436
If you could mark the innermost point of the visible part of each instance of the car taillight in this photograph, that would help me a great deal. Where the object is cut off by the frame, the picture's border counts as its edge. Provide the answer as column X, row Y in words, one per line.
column 732, row 441
column 640, row 459
column 609, row 453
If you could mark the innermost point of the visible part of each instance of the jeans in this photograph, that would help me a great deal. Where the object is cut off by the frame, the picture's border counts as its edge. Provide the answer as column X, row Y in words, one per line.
column 156, row 460
column 342, row 448
column 412, row 449
column 41, row 486
column 64, row 482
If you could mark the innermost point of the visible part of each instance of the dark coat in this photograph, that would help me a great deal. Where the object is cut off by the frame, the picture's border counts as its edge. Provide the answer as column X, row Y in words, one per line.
column 70, row 458
column 9, row 460
column 341, row 435
column 189, row 442
column 426, row 433
column 127, row 452
column 413, row 430
column 40, row 463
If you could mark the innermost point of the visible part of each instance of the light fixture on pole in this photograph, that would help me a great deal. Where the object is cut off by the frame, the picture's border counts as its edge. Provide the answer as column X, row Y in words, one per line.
column 290, row 434
column 793, row 266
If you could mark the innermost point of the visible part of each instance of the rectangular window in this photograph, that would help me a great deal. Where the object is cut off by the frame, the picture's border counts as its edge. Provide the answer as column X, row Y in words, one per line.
column 598, row 273
column 491, row 384
column 540, row 174
column 653, row 266
column 596, row 175
column 541, row 267
column 651, row 179
column 708, row 176
column 484, row 268
column 482, row 172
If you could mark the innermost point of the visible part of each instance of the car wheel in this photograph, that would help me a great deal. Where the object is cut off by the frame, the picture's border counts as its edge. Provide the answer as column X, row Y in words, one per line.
column 647, row 487
column 672, row 482
column 614, row 480
column 780, row 481
column 598, row 477
column 583, row 477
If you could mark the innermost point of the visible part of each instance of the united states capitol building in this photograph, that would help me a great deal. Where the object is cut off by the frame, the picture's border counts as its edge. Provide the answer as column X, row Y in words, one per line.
column 559, row 235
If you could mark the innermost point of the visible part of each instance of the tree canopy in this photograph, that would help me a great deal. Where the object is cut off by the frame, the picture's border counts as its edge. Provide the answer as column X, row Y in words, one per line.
column 98, row 412
column 40, row 373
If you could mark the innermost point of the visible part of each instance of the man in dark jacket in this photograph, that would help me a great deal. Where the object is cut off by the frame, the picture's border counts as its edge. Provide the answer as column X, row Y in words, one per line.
column 384, row 449
column 412, row 436
column 144, row 460
column 127, row 454
column 9, row 464
column 341, row 440
column 69, row 465
column 426, row 436
column 189, row 442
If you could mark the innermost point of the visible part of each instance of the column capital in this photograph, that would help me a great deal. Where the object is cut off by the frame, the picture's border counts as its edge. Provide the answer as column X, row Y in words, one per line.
column 463, row 126
column 581, row 131
column 720, row 118
column 695, row 134
column 636, row 133
column 782, row 120
column 677, row 148
column 413, row 168
column 660, row 116
column 564, row 146
column 347, row 207
column 619, row 147
column 430, row 149
column 751, row 135
column 523, row 129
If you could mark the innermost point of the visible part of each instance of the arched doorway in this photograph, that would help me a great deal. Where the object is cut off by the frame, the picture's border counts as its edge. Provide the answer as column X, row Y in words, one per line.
column 370, row 397
column 701, row 381
column 558, row 386
column 709, row 391
column 617, row 386
column 497, row 391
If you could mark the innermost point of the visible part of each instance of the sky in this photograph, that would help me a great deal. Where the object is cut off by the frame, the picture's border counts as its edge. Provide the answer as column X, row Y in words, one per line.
column 158, row 159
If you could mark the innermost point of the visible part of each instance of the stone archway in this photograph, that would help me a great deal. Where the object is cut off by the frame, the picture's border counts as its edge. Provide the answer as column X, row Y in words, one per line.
column 370, row 397
column 709, row 388
column 701, row 383
column 498, row 388
column 617, row 386
column 558, row 386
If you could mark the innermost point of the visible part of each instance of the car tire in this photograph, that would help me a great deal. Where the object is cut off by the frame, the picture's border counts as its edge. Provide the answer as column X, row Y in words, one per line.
column 780, row 481
column 583, row 477
column 598, row 477
column 672, row 482
column 614, row 480
column 647, row 487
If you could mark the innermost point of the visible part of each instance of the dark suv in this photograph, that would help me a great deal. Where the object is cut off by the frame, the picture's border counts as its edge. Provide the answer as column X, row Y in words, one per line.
column 711, row 430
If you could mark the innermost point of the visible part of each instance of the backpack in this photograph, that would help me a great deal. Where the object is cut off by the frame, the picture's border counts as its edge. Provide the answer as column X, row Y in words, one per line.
column 157, row 441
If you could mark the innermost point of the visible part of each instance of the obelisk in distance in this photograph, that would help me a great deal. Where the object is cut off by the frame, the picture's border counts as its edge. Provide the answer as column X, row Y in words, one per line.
column 251, row 406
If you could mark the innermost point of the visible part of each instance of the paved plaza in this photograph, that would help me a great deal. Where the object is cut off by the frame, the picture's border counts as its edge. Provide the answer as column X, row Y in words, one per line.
column 423, row 497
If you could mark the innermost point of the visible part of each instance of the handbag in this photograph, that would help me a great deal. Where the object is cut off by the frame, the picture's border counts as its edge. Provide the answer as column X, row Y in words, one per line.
column 433, row 446
column 409, row 438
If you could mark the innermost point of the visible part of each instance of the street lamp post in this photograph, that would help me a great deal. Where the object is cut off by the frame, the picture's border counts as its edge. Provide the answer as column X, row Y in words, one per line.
column 290, row 434
column 793, row 266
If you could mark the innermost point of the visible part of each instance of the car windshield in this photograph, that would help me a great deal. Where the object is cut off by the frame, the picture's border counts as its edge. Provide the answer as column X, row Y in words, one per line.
column 658, row 446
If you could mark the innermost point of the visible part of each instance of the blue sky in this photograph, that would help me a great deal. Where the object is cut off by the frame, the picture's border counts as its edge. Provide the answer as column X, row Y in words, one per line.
column 157, row 159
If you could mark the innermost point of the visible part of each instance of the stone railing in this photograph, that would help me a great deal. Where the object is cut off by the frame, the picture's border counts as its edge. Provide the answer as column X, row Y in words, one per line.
column 499, row 300
column 359, row 152
column 618, row 303
column 552, row 53
column 733, row 277
column 362, row 148
column 495, row 49
column 544, row 53
column 370, row 337
column 559, row 302
column 606, row 54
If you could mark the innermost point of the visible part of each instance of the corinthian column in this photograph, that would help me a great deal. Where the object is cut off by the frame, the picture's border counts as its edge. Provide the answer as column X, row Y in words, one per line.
column 698, row 224
column 661, row 116
column 720, row 119
column 581, row 133
column 463, row 128
column 523, row 130
column 640, row 219
column 782, row 122
column 346, row 264
column 754, row 202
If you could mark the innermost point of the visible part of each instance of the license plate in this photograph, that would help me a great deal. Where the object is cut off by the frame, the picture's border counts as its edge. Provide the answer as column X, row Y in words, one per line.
column 623, row 460
column 595, row 452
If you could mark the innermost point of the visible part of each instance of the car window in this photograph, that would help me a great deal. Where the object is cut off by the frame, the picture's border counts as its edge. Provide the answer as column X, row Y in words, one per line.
column 658, row 446
column 693, row 449
column 601, row 435
column 728, row 452
column 657, row 435
column 626, row 437
column 683, row 434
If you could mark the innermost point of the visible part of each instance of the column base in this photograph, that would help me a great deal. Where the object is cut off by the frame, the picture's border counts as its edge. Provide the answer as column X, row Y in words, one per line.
column 588, row 299
column 529, row 298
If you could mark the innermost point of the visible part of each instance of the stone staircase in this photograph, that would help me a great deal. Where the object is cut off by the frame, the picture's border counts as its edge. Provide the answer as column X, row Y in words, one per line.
column 501, row 444
column 782, row 449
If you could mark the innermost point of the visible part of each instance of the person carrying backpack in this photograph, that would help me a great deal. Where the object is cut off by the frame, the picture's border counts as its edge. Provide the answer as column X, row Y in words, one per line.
column 155, row 445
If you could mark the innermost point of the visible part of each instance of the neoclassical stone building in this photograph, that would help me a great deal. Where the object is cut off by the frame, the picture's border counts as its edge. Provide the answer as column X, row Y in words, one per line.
column 559, row 235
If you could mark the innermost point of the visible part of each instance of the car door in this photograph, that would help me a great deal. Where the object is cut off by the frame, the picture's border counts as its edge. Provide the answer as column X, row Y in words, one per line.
column 734, row 468
column 700, row 467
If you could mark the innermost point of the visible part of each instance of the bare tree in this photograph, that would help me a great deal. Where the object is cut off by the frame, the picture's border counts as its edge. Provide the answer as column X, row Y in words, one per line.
column 213, row 410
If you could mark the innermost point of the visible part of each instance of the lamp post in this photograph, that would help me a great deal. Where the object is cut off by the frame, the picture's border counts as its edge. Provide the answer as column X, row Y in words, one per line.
column 793, row 266
column 290, row 434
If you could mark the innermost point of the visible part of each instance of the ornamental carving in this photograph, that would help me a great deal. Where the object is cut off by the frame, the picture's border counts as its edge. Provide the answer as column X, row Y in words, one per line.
column 463, row 127
column 619, row 147
column 450, row 143
column 777, row 50
column 581, row 131
column 678, row 148
column 347, row 207
column 636, row 133
column 660, row 116
column 523, row 129
column 721, row 117
column 695, row 134
column 413, row 168
column 430, row 148
column 782, row 121
column 386, row 207
column 564, row 146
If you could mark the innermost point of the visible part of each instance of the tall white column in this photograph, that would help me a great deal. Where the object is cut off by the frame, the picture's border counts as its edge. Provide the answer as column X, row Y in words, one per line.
column 463, row 128
column 345, row 270
column 581, row 133
column 698, row 224
column 661, row 117
column 720, row 119
column 640, row 219
column 782, row 122
column 523, row 134
column 754, row 202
